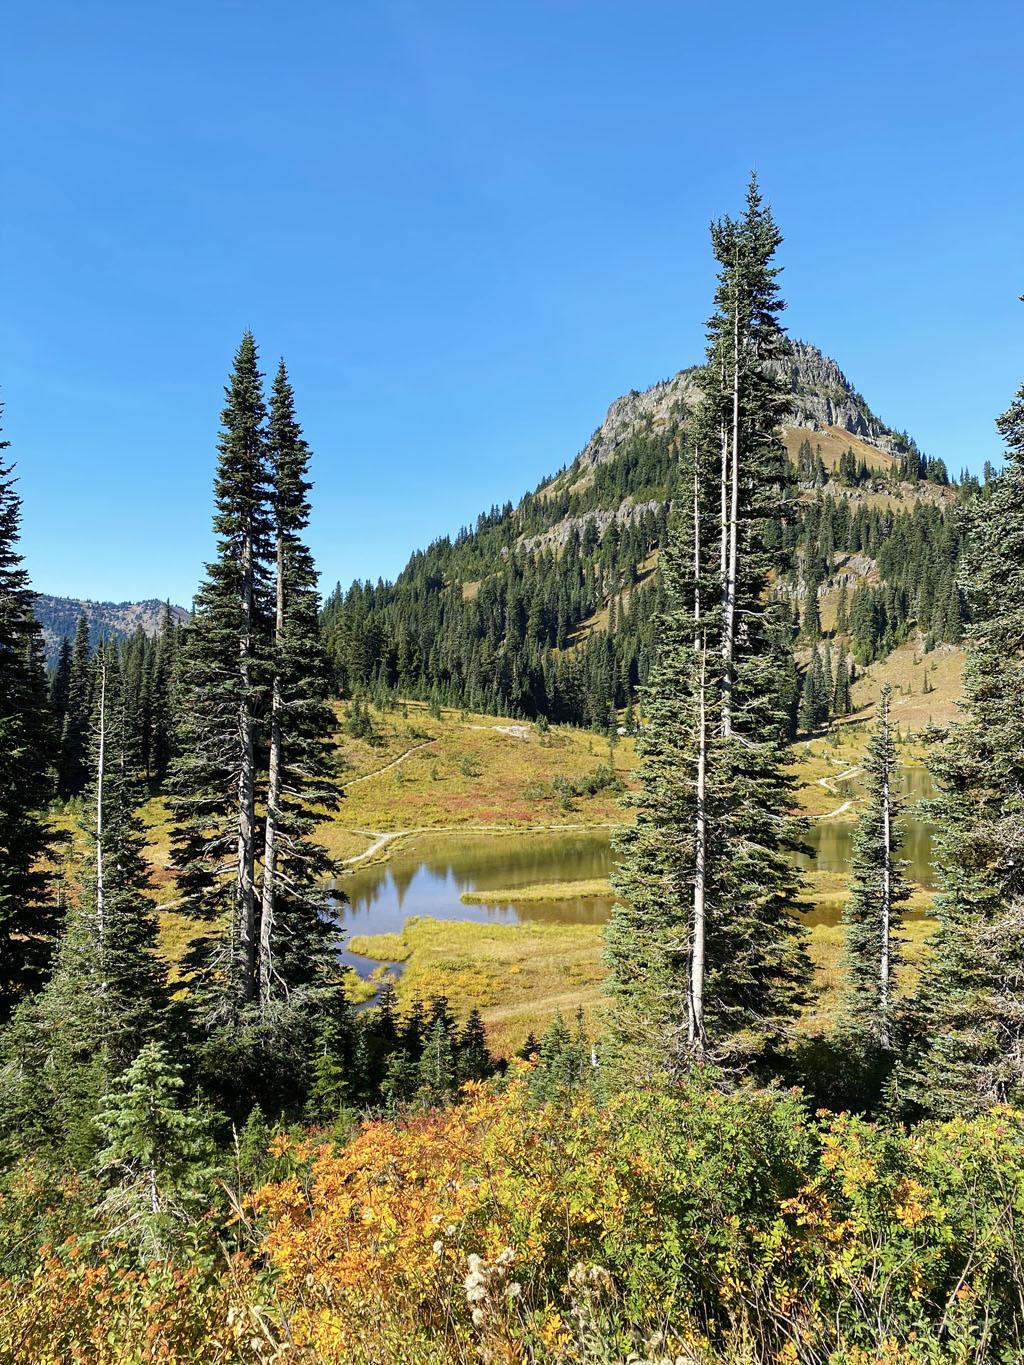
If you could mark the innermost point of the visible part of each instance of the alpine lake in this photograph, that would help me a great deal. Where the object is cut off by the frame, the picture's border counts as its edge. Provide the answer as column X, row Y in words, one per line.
column 427, row 877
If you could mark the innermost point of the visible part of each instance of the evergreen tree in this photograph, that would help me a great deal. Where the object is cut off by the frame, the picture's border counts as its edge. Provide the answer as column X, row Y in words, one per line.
column 60, row 685
column 843, row 609
column 842, row 703
column 969, row 1012
column 106, row 994
column 474, row 1059
column 812, row 614
column 223, row 691
column 334, row 1081
column 27, row 909
column 437, row 1067
column 705, row 959
column 163, row 707
column 814, row 695
column 296, row 937
column 74, row 742
column 878, row 893
column 159, row 1160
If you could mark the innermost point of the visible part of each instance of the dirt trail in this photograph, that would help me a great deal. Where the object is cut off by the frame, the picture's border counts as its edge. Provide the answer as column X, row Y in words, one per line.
column 381, row 837
column 388, row 766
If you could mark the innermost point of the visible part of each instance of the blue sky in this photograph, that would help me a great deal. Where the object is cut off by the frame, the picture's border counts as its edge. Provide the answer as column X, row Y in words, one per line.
column 468, row 227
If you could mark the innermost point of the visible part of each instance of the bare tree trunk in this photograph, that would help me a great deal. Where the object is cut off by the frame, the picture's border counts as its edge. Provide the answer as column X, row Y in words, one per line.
column 729, row 626
column 100, row 765
column 245, row 897
column 696, row 1010
column 697, row 966
column 883, row 992
column 273, row 798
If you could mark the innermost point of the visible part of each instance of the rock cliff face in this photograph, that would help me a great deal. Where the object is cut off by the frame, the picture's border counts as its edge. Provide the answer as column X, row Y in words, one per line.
column 822, row 397
column 662, row 405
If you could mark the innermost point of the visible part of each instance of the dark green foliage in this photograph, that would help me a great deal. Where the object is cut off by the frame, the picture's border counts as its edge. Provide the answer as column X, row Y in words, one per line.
column 842, row 703
column 565, row 1060
column 297, row 940
column 705, row 958
column 160, row 1158
column 969, row 1015
column 28, row 911
column 223, row 685
column 107, row 992
column 815, row 695
column 77, row 713
column 812, row 616
column 254, row 775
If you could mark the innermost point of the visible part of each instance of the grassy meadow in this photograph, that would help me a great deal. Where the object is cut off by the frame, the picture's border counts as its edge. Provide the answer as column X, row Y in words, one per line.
column 420, row 773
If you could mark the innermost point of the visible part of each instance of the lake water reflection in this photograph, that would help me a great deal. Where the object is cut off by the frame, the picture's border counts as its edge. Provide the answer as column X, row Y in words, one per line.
column 429, row 876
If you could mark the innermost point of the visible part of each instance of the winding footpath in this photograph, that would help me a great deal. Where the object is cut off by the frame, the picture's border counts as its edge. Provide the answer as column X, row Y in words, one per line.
column 388, row 766
column 381, row 837
column 829, row 784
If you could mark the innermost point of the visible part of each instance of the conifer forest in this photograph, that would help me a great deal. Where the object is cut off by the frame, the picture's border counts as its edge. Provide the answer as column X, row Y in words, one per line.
column 702, row 1061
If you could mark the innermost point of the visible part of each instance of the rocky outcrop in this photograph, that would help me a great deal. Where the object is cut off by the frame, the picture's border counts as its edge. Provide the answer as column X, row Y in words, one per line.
column 824, row 397
column 663, row 405
column 602, row 518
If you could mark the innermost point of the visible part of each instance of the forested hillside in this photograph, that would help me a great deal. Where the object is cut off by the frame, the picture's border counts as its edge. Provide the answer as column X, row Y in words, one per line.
column 548, row 607
column 59, row 617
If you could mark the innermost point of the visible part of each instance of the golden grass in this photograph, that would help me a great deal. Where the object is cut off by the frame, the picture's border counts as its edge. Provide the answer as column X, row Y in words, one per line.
column 517, row 975
column 540, row 891
column 379, row 947
column 468, row 772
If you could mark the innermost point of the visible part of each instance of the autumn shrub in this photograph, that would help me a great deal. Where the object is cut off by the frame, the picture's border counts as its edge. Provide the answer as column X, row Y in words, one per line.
column 685, row 1225
column 689, row 1223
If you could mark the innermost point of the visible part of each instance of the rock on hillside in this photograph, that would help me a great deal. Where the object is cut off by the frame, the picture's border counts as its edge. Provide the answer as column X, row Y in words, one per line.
column 822, row 397
column 107, row 620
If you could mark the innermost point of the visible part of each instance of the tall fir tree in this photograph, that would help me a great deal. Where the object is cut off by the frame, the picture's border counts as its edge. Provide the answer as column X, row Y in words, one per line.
column 28, row 912
column 706, row 960
column 164, row 695
column 969, row 1013
column 878, row 893
column 296, row 939
column 842, row 703
column 223, row 691
column 74, row 739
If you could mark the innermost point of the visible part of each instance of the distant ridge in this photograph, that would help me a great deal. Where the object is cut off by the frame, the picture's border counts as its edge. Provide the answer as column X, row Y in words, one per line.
column 107, row 620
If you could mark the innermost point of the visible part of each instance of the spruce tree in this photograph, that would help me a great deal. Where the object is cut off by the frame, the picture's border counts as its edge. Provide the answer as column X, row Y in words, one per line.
column 159, row 1162
column 812, row 614
column 842, row 703
column 27, row 909
column 706, row 960
column 814, row 695
column 969, row 1012
column 878, row 893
